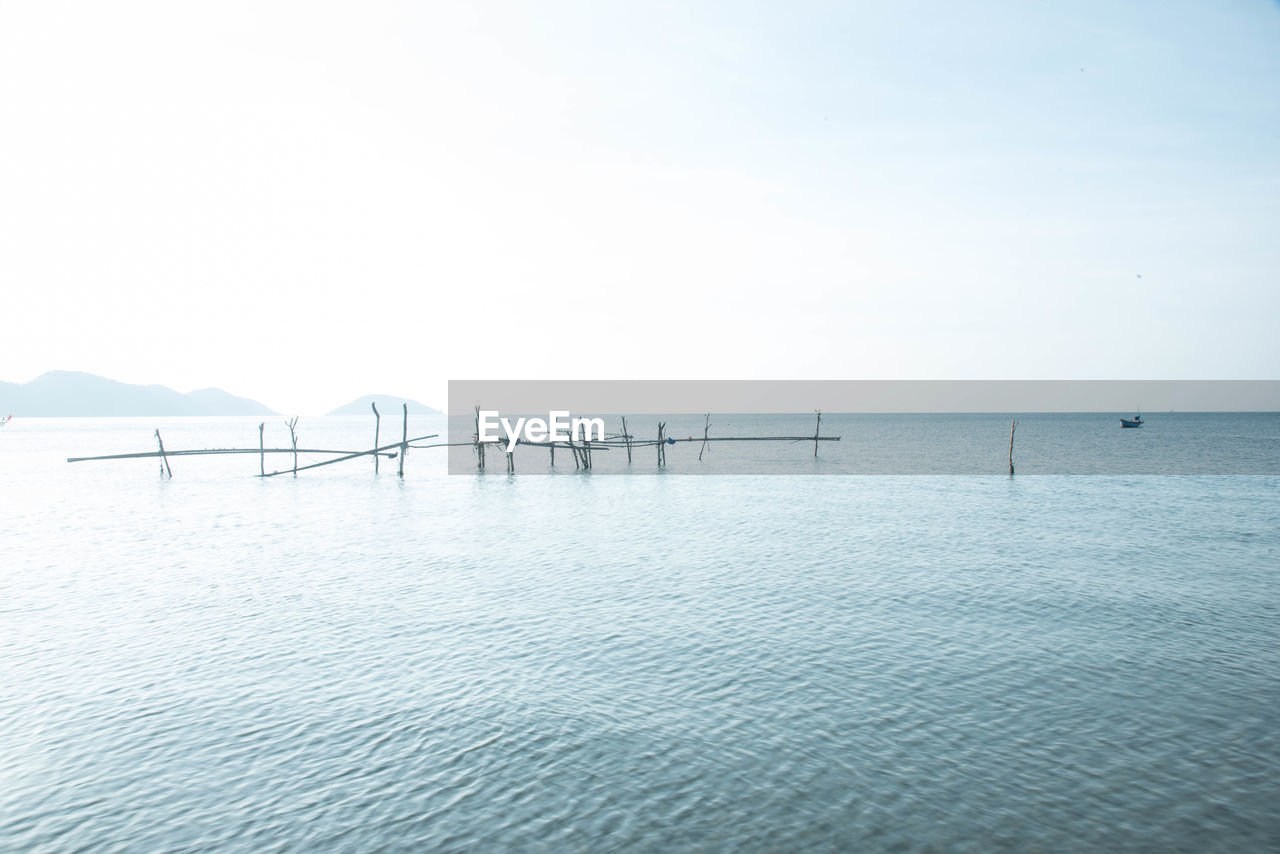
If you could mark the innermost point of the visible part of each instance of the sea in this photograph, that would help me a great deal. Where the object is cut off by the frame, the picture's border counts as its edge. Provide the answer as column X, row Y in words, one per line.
column 922, row 653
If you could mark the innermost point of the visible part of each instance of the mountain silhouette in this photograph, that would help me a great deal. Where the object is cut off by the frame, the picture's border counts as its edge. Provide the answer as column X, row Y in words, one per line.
column 74, row 393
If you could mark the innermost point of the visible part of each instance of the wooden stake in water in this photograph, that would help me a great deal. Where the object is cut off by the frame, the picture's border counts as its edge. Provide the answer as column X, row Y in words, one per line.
column 404, row 439
column 627, row 438
column 293, row 438
column 377, row 428
column 706, row 427
column 163, row 458
column 262, row 454
column 1011, row 432
column 816, row 430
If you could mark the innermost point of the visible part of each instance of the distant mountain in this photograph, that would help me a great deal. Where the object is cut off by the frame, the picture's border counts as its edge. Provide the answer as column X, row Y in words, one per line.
column 72, row 393
column 387, row 404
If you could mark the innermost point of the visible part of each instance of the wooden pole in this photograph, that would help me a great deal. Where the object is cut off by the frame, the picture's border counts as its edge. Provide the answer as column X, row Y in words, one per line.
column 662, row 443
column 1011, row 432
column 672, row 440
column 163, row 458
column 218, row 451
column 404, row 438
column 479, row 444
column 262, row 455
column 377, row 428
column 353, row 455
column 627, row 438
column 705, row 427
column 293, row 439
column 816, row 430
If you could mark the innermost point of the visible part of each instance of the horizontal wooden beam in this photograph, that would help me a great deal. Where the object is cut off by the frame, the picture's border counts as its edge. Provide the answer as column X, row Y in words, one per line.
column 208, row 451
column 350, row 456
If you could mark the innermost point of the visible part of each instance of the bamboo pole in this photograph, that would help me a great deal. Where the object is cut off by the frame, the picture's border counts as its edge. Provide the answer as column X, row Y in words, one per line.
column 293, row 438
column 1012, row 430
column 262, row 456
column 404, row 438
column 163, row 459
column 377, row 428
column 650, row 442
column 213, row 452
column 647, row 443
column 352, row 456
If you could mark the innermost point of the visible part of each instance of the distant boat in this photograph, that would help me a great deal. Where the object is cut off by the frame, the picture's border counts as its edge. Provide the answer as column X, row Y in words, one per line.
column 1136, row 422
column 5, row 420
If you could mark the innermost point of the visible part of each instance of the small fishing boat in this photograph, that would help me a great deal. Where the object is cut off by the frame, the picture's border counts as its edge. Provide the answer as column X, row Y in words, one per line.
column 1136, row 422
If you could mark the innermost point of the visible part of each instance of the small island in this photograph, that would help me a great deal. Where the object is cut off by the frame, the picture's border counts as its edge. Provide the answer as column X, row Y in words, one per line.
column 387, row 402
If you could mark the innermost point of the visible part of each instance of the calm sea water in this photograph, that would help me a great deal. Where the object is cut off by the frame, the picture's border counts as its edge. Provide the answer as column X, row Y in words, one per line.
column 1076, row 443
column 344, row 662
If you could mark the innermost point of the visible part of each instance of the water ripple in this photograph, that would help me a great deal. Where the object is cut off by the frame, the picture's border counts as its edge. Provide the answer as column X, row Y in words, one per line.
column 570, row 664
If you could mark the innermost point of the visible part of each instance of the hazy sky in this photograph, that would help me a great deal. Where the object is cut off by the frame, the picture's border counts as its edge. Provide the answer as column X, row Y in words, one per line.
column 306, row 202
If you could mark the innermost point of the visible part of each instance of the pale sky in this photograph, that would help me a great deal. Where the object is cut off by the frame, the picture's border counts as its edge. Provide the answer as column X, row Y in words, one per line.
column 302, row 203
